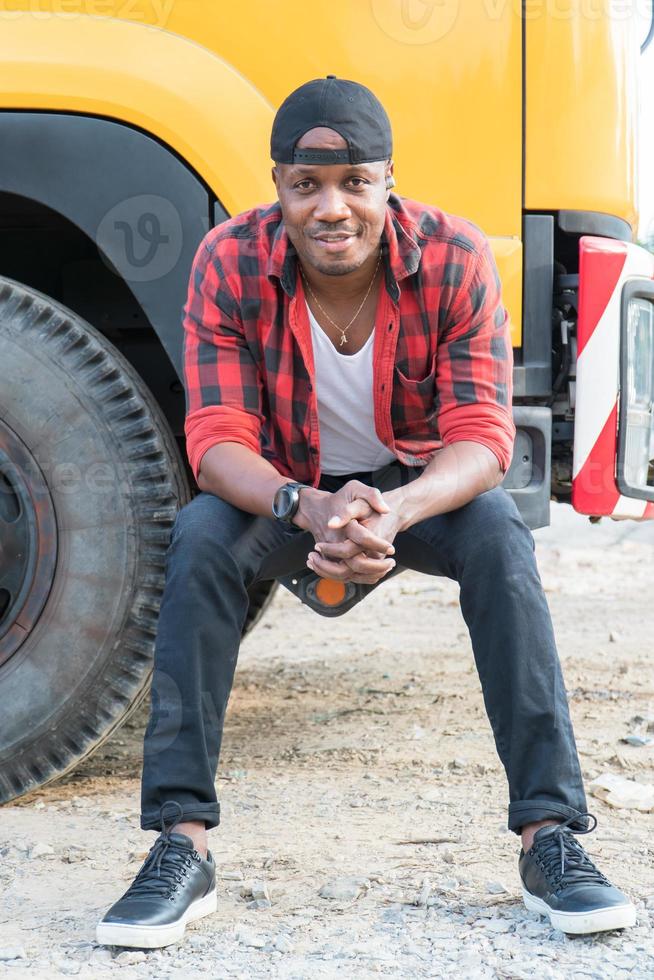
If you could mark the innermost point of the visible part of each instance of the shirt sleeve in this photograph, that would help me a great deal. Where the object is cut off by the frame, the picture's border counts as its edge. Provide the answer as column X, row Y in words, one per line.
column 474, row 378
column 221, row 378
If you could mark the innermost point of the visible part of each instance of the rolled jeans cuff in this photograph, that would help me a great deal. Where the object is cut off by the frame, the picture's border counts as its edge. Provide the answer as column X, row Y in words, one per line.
column 531, row 811
column 210, row 813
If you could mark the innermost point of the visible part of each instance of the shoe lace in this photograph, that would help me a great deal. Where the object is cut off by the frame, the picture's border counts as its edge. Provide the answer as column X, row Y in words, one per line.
column 167, row 863
column 563, row 859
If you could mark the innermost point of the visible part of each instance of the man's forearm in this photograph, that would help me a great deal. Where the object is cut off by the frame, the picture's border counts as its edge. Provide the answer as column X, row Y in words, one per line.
column 456, row 474
column 240, row 476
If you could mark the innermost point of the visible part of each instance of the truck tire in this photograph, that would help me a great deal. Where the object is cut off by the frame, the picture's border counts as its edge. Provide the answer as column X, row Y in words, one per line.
column 90, row 483
column 260, row 595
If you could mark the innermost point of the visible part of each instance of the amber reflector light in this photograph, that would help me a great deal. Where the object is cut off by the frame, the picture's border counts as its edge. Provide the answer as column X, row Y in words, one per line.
column 330, row 592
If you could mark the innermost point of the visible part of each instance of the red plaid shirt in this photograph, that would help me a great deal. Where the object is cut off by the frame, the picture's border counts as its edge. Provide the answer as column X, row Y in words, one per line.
column 442, row 356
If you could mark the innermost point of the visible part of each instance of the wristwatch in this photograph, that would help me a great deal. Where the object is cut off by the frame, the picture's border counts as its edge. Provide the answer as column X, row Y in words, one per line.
column 286, row 501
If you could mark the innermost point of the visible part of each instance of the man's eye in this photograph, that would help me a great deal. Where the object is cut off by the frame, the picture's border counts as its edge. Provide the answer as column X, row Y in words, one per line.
column 304, row 185
column 358, row 181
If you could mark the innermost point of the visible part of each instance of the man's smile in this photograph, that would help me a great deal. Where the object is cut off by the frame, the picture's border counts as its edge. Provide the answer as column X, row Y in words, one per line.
column 334, row 241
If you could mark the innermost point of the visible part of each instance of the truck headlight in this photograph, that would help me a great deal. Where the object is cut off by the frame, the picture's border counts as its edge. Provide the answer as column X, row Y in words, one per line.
column 635, row 469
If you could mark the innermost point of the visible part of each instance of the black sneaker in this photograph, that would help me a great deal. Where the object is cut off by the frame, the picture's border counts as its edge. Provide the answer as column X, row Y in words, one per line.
column 174, row 886
column 559, row 880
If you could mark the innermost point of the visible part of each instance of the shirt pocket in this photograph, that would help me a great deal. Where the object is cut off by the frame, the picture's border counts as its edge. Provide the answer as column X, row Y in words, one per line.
column 414, row 398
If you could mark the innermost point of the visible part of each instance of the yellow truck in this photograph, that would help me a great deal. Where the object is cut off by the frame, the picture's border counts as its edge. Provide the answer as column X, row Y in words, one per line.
column 128, row 128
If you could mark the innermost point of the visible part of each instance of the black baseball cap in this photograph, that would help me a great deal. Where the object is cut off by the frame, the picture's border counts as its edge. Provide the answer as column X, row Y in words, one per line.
column 347, row 107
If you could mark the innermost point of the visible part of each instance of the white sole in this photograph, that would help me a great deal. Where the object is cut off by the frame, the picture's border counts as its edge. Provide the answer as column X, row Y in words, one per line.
column 152, row 937
column 579, row 923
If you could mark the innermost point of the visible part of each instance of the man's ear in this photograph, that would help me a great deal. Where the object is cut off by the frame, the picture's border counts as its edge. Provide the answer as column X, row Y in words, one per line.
column 274, row 173
column 389, row 178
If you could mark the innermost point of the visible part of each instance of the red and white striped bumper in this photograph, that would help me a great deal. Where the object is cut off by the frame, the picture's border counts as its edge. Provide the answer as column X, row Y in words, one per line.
column 605, row 266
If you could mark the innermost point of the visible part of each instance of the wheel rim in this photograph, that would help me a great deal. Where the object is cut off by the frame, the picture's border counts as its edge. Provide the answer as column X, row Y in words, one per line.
column 28, row 542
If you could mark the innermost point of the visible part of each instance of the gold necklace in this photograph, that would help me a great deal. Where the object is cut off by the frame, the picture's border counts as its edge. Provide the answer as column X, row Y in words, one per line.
column 343, row 332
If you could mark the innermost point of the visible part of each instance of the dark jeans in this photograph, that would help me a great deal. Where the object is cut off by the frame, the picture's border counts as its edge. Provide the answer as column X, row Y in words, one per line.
column 217, row 551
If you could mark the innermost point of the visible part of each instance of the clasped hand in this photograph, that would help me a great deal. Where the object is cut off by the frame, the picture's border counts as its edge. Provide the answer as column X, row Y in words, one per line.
column 354, row 530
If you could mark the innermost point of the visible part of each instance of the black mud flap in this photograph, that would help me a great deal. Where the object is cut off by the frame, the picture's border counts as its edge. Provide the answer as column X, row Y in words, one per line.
column 528, row 478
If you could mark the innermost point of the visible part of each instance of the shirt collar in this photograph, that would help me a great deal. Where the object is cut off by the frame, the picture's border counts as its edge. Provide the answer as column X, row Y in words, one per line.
column 400, row 250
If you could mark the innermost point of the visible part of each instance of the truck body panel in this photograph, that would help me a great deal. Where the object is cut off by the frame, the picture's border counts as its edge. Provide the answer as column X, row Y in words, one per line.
column 207, row 85
column 485, row 104
column 581, row 111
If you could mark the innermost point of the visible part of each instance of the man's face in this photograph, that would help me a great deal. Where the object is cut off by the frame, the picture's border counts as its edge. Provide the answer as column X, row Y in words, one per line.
column 333, row 214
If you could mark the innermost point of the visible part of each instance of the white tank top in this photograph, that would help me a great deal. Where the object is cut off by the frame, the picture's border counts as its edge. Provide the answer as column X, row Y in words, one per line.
column 348, row 440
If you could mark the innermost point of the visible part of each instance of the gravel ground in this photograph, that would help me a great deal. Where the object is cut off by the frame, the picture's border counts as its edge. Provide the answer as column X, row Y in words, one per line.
column 362, row 798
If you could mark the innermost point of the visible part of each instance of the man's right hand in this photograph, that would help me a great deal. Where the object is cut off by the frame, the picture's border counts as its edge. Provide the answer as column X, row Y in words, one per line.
column 355, row 501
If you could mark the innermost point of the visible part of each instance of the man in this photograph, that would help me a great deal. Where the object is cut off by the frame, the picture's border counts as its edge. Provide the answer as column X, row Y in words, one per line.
column 348, row 367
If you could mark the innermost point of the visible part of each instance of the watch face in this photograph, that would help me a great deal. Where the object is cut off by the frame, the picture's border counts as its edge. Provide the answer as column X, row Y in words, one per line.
column 283, row 502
